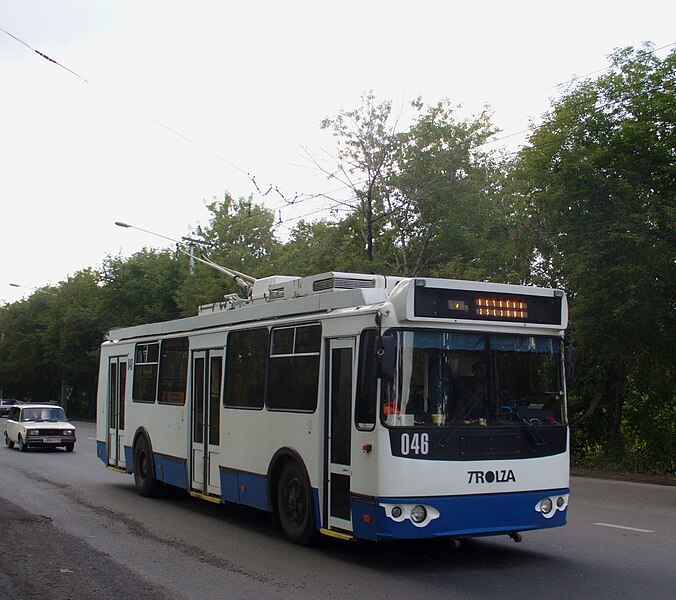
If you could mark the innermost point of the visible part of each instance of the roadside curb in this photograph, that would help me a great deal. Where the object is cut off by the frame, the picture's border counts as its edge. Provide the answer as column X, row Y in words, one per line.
column 622, row 476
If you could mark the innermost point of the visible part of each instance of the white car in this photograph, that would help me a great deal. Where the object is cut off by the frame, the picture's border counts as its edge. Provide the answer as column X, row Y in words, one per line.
column 5, row 405
column 39, row 425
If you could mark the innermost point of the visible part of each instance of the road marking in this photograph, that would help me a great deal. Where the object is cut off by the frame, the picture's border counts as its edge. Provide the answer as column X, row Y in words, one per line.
column 623, row 527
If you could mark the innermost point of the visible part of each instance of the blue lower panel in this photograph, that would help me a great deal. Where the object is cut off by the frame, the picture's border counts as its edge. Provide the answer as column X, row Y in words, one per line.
column 253, row 490
column 129, row 458
column 244, row 488
column 229, row 486
column 102, row 451
column 459, row 516
column 173, row 471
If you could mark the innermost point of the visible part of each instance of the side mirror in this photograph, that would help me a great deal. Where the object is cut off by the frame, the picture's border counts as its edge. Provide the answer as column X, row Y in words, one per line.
column 387, row 356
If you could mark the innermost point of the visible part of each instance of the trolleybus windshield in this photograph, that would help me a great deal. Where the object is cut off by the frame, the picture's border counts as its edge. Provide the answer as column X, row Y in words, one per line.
column 446, row 378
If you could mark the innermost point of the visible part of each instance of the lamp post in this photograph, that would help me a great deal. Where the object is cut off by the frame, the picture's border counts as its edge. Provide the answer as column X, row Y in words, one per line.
column 190, row 242
column 30, row 287
column 242, row 280
column 127, row 226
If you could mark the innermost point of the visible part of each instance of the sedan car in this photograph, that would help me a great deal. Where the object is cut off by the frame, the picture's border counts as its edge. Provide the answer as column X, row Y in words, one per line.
column 39, row 425
column 5, row 405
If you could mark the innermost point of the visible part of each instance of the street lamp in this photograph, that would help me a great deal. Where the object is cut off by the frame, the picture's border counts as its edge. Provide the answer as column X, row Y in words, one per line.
column 242, row 280
column 30, row 287
column 127, row 226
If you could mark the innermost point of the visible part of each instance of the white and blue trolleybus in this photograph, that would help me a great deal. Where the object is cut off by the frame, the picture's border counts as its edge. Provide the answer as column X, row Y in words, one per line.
column 356, row 406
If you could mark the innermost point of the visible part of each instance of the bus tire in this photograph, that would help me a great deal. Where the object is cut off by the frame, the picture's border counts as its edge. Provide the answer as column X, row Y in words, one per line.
column 294, row 505
column 144, row 475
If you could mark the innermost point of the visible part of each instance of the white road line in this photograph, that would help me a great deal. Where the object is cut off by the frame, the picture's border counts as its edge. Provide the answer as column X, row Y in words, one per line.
column 623, row 527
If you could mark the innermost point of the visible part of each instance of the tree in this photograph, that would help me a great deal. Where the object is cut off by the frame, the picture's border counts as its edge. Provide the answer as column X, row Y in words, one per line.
column 425, row 196
column 596, row 190
column 324, row 246
column 142, row 288
column 239, row 236
column 26, row 370
column 73, row 335
column 366, row 141
column 441, row 196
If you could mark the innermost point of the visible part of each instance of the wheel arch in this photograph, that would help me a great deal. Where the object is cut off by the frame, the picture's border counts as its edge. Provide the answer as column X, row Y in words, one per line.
column 279, row 459
column 142, row 432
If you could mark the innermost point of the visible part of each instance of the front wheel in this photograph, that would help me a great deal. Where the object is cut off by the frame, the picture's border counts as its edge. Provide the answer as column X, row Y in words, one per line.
column 69, row 447
column 294, row 505
column 144, row 475
column 8, row 442
column 22, row 445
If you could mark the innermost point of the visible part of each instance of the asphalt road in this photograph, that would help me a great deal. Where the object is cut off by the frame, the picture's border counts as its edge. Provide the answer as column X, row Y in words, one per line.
column 69, row 528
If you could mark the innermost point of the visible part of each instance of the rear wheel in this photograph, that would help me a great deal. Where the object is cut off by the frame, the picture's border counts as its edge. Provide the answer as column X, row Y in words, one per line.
column 144, row 475
column 22, row 445
column 294, row 505
column 8, row 442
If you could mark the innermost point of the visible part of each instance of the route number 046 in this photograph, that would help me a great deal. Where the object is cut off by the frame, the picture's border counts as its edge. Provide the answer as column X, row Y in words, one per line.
column 415, row 443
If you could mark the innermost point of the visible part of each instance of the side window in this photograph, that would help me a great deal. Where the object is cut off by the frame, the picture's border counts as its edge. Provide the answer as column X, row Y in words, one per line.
column 145, row 372
column 365, row 409
column 173, row 370
column 246, row 355
column 13, row 413
column 294, row 368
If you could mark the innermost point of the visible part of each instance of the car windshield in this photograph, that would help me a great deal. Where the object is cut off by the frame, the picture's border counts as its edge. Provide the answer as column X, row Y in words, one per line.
column 452, row 378
column 52, row 414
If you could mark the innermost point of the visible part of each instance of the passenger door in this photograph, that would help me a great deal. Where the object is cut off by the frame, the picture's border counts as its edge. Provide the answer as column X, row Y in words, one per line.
column 341, row 386
column 207, row 373
column 117, row 388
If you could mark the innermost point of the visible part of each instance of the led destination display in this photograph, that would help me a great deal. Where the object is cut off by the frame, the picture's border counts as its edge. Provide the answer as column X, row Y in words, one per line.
column 480, row 306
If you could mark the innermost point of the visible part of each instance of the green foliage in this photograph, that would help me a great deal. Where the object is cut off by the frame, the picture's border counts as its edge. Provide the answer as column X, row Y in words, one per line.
column 72, row 338
column 240, row 236
column 596, row 191
column 141, row 288
column 26, row 369
column 324, row 246
column 424, row 199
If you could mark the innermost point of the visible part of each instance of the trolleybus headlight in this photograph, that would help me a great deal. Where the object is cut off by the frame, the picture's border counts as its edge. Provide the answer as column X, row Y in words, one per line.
column 546, row 506
column 396, row 512
column 418, row 514
column 560, row 501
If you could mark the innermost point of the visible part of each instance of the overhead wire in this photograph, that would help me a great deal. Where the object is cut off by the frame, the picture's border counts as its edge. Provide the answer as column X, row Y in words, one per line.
column 154, row 120
column 346, row 187
column 43, row 55
column 297, row 198
column 577, row 78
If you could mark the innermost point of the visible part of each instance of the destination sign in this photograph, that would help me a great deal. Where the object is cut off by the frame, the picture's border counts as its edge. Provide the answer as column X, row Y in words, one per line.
column 474, row 305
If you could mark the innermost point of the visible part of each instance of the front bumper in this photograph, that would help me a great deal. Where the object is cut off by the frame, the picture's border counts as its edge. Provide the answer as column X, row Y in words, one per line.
column 50, row 440
column 459, row 516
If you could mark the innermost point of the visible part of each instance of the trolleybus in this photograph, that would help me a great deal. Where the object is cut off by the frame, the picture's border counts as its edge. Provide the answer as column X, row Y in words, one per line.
column 356, row 406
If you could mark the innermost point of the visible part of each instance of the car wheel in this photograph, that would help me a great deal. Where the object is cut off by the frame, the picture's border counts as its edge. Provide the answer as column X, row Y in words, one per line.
column 69, row 447
column 144, row 475
column 294, row 505
column 8, row 442
column 22, row 445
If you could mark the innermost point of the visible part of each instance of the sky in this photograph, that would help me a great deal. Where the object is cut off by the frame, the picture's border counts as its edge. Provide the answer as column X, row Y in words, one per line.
column 159, row 107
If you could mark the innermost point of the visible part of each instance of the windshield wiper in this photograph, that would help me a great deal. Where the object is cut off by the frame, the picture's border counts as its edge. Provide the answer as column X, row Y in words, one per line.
column 533, row 433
